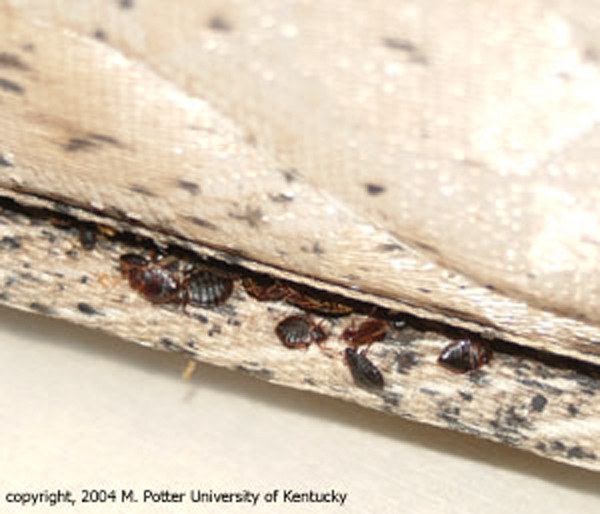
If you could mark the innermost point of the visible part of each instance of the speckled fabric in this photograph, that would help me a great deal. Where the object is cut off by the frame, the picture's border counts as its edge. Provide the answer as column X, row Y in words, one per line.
column 434, row 157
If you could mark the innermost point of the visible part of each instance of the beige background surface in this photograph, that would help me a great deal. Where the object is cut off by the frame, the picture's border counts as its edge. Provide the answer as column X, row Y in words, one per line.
column 79, row 409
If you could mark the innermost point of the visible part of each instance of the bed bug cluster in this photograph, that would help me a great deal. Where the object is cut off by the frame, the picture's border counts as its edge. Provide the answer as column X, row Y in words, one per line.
column 300, row 331
column 165, row 281
column 183, row 280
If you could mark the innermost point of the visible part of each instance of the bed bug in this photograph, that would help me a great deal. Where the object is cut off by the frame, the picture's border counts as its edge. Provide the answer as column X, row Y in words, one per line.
column 130, row 261
column 299, row 332
column 264, row 289
column 364, row 372
column 306, row 300
column 155, row 282
column 87, row 237
column 368, row 332
column 206, row 288
column 465, row 355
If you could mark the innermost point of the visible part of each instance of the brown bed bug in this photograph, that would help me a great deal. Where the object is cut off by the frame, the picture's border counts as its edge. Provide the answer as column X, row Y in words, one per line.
column 156, row 283
column 364, row 372
column 130, row 262
column 368, row 332
column 264, row 289
column 465, row 355
column 207, row 288
column 299, row 332
column 307, row 300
